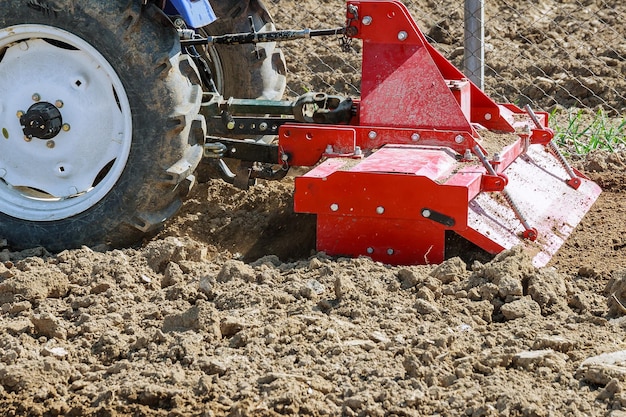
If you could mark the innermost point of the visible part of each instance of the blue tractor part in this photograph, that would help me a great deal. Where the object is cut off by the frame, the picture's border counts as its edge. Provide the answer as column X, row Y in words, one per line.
column 197, row 13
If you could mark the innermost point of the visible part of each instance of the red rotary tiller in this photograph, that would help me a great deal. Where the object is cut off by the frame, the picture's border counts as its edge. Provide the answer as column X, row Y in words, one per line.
column 427, row 152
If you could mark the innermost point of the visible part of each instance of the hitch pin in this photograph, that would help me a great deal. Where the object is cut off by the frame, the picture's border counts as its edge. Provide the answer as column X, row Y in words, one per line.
column 529, row 232
column 574, row 181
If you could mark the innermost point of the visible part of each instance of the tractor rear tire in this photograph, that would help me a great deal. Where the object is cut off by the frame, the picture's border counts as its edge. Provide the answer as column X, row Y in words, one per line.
column 116, row 105
column 246, row 71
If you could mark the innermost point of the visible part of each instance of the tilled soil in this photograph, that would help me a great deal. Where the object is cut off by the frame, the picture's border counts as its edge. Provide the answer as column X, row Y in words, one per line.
column 230, row 311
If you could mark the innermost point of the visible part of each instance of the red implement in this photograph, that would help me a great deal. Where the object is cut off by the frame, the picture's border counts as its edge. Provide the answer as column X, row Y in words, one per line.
column 426, row 152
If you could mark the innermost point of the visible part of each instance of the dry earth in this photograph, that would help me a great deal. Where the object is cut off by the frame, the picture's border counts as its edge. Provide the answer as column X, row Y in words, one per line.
column 230, row 312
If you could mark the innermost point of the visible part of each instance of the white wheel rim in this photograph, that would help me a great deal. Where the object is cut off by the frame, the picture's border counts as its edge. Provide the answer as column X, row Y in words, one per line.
column 56, row 178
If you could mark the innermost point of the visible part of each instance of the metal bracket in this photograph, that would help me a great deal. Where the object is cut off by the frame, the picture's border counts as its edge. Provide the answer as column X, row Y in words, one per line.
column 243, row 150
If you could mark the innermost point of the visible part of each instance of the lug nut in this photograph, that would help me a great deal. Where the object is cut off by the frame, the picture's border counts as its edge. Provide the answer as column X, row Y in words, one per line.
column 36, row 97
column 58, row 104
column 66, row 127
column 402, row 35
column 28, row 138
column 50, row 144
column 19, row 113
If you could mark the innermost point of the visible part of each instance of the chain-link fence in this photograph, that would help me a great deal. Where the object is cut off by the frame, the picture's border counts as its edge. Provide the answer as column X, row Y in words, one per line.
column 547, row 53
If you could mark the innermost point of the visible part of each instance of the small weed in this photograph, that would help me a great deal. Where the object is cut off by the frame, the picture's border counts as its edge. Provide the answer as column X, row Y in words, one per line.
column 578, row 132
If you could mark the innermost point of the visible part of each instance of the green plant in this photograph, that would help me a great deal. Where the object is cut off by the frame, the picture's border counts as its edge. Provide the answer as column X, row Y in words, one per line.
column 579, row 132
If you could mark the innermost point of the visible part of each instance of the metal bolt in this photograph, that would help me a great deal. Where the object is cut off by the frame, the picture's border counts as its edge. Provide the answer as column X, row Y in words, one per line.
column 329, row 149
column 28, row 138
column 372, row 134
column 50, row 144
column 402, row 35
column 58, row 104
column 487, row 116
column 66, row 127
column 415, row 137
column 334, row 207
column 370, row 250
column 459, row 139
column 389, row 251
column 426, row 213
column 367, row 20
column 36, row 97
column 263, row 127
column 285, row 157
column 20, row 113
column 380, row 209
column 358, row 151
column 230, row 125
column 497, row 157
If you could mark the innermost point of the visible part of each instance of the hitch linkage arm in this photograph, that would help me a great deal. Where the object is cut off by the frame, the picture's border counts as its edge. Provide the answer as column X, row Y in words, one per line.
column 257, row 158
column 258, row 37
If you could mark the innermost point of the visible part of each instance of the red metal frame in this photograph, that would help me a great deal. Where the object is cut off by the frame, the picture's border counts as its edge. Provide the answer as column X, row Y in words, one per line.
column 409, row 166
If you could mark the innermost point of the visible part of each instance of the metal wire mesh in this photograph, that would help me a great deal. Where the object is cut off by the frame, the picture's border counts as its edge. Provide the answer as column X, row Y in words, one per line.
column 547, row 53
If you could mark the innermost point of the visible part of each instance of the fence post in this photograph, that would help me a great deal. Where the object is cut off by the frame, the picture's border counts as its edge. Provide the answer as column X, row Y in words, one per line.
column 474, row 51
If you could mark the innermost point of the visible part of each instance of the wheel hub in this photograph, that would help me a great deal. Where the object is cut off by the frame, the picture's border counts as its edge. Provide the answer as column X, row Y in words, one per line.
column 42, row 120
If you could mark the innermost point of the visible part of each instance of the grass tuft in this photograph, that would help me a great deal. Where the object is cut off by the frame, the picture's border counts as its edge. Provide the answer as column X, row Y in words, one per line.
column 578, row 132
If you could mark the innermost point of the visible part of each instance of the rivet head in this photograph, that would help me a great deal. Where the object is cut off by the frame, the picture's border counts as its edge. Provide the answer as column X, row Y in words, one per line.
column 487, row 116
column 367, row 20
column 459, row 139
column 415, row 137
column 402, row 35
column 390, row 251
column 370, row 250
column 380, row 209
column 334, row 207
column 372, row 134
